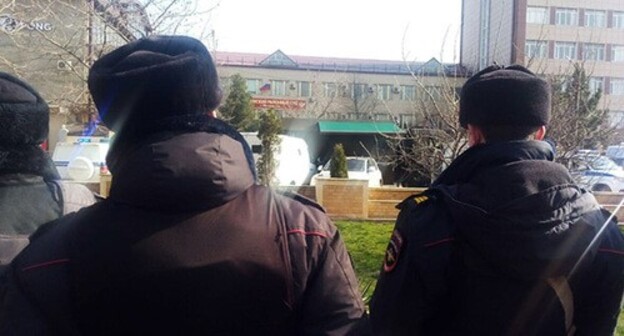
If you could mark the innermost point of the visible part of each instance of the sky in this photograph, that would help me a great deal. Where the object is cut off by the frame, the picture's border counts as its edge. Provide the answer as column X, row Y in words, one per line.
column 413, row 30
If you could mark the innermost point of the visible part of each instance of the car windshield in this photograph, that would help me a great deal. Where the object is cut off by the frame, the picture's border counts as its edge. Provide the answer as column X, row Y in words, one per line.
column 353, row 165
column 356, row 165
column 603, row 163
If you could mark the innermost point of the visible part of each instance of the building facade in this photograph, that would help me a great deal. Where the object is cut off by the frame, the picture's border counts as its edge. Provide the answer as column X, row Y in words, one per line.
column 304, row 87
column 52, row 43
column 547, row 36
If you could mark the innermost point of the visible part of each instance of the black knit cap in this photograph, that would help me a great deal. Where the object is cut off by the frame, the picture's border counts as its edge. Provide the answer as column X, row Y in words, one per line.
column 152, row 79
column 509, row 96
column 24, row 115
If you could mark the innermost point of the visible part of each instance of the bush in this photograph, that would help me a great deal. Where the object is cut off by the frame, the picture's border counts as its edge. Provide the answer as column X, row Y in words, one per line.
column 338, row 165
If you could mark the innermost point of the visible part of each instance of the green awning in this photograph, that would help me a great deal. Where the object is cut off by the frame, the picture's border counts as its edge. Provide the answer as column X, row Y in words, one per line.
column 358, row 127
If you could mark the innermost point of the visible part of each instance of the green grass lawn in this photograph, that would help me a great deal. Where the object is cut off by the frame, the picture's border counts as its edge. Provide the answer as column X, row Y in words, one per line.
column 367, row 241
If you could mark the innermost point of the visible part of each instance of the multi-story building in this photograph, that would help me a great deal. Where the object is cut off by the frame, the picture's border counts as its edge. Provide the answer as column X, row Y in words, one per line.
column 351, row 101
column 548, row 35
column 51, row 44
column 304, row 87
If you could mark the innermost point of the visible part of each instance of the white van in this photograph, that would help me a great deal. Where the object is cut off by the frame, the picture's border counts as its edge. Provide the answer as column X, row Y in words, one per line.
column 293, row 159
column 81, row 159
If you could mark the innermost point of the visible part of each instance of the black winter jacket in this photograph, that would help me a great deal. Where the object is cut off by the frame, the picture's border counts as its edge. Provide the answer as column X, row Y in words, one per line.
column 31, row 194
column 186, row 244
column 478, row 251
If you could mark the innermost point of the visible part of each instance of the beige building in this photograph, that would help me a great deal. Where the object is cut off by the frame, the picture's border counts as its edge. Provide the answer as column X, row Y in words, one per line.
column 51, row 43
column 313, row 88
column 548, row 35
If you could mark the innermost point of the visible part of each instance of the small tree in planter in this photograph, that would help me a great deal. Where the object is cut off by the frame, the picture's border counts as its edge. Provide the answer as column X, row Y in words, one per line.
column 338, row 165
column 270, row 128
column 342, row 197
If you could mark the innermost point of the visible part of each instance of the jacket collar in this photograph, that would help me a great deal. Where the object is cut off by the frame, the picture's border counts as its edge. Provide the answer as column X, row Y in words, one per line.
column 478, row 158
column 193, row 170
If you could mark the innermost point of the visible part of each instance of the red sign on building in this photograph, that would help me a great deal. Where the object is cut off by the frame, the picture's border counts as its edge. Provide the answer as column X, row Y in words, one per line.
column 278, row 104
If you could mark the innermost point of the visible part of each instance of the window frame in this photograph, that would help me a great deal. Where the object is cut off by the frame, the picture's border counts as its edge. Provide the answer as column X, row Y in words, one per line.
column 566, row 44
column 408, row 95
column 616, row 83
column 566, row 17
column 588, row 18
column 300, row 90
column 383, row 91
column 257, row 84
column 617, row 21
column 617, row 50
column 597, row 56
column 278, row 87
column 530, row 16
column 541, row 46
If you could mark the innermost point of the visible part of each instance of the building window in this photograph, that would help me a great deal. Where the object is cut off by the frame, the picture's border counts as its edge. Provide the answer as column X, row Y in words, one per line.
column 358, row 91
column 407, row 120
column 381, row 117
column 617, row 87
column 253, row 86
column 383, row 91
column 278, row 88
column 305, row 89
column 616, row 119
column 434, row 92
column 594, row 52
column 596, row 84
column 330, row 89
column 595, row 19
column 566, row 17
column 536, row 49
column 408, row 92
column 538, row 15
column 618, row 20
column 617, row 53
column 565, row 50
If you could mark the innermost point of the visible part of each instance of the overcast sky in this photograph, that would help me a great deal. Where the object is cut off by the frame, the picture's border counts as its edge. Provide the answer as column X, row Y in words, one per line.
column 372, row 29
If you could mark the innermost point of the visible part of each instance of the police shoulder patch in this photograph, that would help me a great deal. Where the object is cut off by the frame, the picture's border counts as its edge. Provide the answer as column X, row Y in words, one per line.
column 393, row 251
column 301, row 199
column 418, row 199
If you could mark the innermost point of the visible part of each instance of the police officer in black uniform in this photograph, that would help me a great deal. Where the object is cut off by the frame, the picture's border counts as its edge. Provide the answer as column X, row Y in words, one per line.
column 504, row 242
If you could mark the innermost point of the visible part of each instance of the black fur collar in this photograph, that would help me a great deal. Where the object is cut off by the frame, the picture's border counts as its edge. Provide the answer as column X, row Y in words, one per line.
column 27, row 160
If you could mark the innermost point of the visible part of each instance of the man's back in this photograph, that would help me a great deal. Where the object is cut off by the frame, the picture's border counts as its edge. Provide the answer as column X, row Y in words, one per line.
column 518, row 226
column 217, row 255
column 513, row 245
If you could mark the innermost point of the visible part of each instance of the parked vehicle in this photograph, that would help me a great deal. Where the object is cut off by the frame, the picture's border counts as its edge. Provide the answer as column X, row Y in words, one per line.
column 81, row 159
column 365, row 168
column 616, row 153
column 597, row 172
column 292, row 156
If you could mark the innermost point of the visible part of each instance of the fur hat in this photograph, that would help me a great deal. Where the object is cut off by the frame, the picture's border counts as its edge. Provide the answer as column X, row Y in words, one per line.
column 24, row 115
column 499, row 95
column 152, row 79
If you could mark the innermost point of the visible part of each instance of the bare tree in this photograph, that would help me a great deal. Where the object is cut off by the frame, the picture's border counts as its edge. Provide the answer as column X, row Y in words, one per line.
column 435, row 138
column 52, row 43
column 578, row 119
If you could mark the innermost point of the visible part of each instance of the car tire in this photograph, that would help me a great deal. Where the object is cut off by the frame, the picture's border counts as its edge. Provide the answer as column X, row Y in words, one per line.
column 601, row 187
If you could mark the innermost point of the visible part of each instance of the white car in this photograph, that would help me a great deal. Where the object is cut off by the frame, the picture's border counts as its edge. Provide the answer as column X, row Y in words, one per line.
column 293, row 159
column 363, row 168
column 81, row 159
column 597, row 172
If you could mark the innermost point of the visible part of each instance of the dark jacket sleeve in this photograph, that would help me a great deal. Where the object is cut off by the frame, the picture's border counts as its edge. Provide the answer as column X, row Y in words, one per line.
column 409, row 292
column 34, row 287
column 332, row 303
column 394, row 294
column 18, row 314
column 597, row 307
